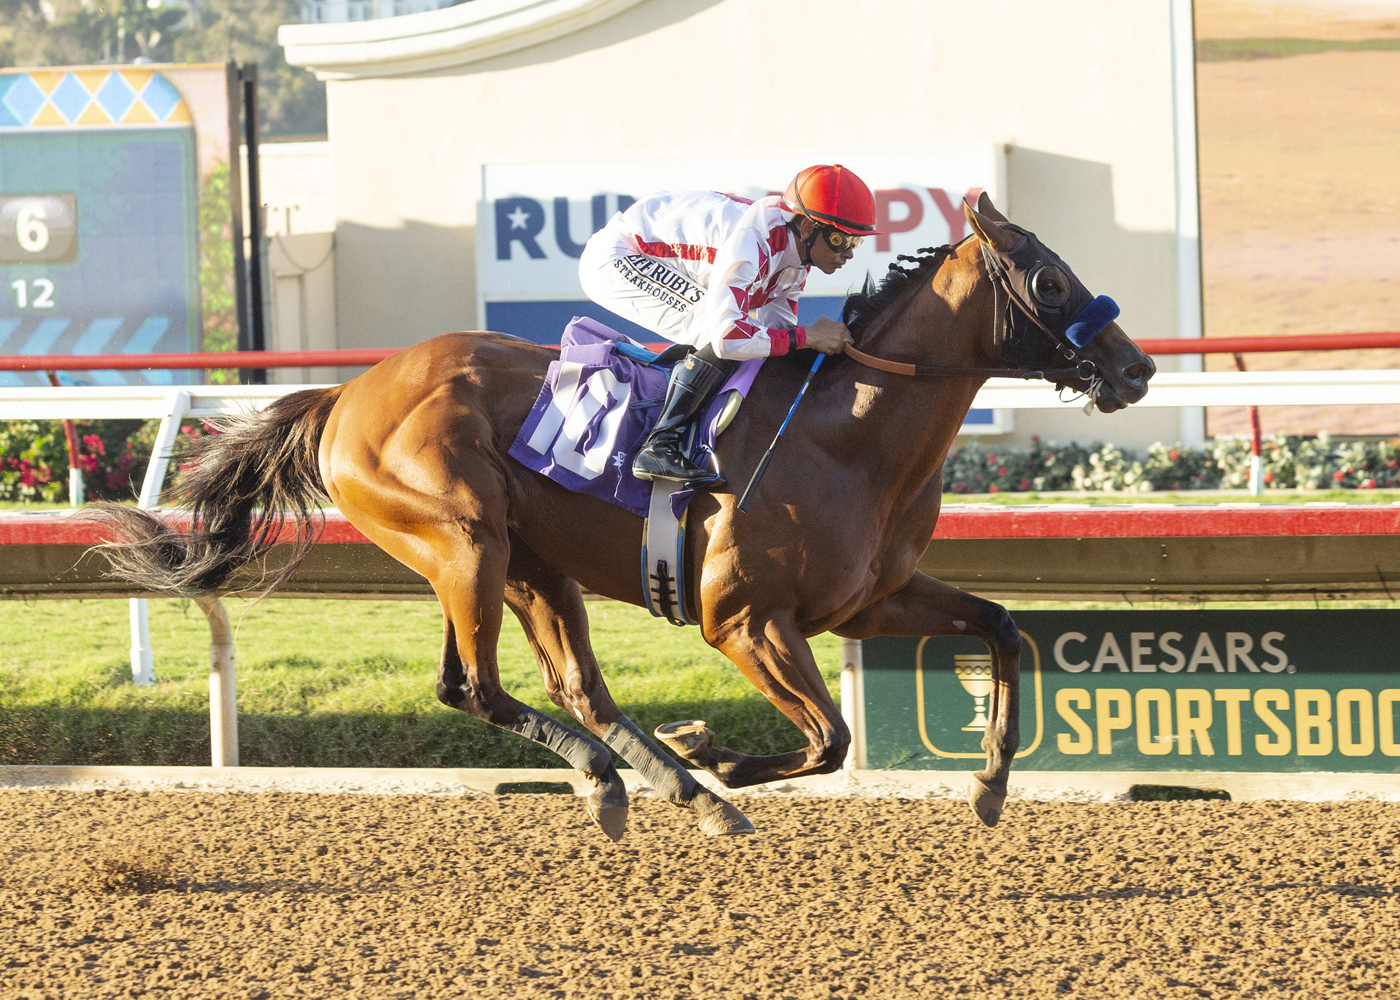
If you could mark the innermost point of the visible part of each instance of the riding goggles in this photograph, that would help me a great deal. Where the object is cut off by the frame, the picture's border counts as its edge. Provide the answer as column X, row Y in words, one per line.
column 839, row 240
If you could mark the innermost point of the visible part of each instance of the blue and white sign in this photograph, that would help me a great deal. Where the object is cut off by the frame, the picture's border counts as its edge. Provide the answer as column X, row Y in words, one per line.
column 536, row 216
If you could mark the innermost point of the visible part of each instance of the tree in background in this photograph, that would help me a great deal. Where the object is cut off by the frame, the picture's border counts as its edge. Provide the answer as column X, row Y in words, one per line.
column 78, row 32
column 217, row 305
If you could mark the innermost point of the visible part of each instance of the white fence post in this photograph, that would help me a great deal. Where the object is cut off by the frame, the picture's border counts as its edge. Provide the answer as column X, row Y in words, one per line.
column 223, row 685
column 143, row 670
column 853, row 701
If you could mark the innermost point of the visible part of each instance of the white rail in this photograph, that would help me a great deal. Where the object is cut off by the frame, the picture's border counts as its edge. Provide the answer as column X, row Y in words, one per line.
column 129, row 402
column 1291, row 388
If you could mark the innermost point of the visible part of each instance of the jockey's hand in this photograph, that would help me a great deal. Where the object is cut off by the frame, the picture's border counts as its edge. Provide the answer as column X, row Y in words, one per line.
column 828, row 336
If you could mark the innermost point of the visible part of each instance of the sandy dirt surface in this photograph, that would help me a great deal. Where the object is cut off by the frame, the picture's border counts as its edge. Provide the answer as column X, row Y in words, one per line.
column 227, row 895
column 1300, row 211
column 1335, row 19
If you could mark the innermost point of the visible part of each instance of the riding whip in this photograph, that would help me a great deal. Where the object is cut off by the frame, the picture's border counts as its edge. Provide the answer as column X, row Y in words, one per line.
column 752, row 488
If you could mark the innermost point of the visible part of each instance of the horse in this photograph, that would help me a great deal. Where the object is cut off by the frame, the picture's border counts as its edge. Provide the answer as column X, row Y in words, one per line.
column 414, row 453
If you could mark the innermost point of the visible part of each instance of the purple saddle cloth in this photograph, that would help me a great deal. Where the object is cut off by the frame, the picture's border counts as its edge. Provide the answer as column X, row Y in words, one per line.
column 595, row 410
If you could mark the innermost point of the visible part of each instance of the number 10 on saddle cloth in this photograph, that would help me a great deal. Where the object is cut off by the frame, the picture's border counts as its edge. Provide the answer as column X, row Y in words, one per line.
column 595, row 410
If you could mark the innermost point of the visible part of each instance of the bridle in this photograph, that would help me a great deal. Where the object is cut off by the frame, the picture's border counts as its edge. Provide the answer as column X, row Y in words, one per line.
column 1005, row 332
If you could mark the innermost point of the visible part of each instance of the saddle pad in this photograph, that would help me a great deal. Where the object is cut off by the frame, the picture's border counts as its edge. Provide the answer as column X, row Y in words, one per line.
column 595, row 410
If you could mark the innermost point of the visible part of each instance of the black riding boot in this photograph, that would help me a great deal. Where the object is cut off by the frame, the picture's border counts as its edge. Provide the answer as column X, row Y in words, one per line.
column 693, row 382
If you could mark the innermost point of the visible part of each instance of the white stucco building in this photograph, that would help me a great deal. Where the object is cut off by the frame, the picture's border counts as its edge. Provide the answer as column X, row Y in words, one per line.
column 1081, row 107
column 337, row 11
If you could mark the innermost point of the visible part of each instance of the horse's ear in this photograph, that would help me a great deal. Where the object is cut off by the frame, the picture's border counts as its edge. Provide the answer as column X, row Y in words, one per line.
column 985, row 206
column 989, row 229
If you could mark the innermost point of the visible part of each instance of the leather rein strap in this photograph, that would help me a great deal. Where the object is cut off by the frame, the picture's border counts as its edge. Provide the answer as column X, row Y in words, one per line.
column 901, row 368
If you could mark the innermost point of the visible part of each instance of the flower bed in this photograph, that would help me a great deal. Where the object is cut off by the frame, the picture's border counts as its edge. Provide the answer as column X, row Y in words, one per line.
column 1289, row 462
column 113, row 455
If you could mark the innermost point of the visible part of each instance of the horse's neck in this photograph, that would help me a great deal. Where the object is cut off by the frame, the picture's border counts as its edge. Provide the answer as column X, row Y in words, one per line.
column 946, row 320
column 906, row 425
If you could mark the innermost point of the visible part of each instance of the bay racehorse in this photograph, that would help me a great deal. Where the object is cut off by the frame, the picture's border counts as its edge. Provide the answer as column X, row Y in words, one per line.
column 414, row 453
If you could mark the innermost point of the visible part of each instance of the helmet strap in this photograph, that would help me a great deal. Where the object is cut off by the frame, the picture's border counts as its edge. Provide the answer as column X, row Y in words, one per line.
column 809, row 241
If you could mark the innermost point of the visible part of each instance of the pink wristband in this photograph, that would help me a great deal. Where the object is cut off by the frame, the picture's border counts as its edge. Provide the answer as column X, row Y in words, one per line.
column 799, row 337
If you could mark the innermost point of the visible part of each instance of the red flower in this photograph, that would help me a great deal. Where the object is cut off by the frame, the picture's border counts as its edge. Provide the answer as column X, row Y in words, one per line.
column 1025, row 483
column 1001, row 471
column 1268, row 477
column 1338, row 476
column 993, row 488
column 1368, row 484
column 1174, row 454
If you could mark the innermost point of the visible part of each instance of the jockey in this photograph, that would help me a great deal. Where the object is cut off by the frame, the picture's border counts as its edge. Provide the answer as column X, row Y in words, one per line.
column 723, row 274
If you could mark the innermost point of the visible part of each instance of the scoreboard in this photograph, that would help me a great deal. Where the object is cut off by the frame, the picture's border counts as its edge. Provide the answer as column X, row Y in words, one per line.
column 98, row 219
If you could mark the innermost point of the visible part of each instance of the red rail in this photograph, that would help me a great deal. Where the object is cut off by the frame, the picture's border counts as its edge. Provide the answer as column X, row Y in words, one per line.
column 1161, row 521
column 314, row 359
column 1257, row 345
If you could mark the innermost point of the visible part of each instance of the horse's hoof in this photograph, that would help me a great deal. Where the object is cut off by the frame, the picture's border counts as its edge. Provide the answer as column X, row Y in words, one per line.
column 718, row 818
column 686, row 738
column 986, row 803
column 607, row 805
column 612, row 820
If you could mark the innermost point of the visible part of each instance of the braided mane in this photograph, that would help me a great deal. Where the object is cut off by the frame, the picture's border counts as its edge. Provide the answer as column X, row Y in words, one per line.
column 863, row 306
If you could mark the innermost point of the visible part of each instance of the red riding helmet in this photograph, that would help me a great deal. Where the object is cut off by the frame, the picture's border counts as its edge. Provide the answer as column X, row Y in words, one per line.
column 833, row 195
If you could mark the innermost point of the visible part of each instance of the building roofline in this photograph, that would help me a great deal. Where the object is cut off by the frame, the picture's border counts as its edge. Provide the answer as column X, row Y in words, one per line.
column 437, row 39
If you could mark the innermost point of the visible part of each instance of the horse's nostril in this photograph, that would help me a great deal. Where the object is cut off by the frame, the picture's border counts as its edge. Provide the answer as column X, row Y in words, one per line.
column 1137, row 373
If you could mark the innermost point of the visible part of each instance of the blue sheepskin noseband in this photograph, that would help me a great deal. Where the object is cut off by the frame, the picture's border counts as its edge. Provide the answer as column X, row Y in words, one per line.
column 1091, row 321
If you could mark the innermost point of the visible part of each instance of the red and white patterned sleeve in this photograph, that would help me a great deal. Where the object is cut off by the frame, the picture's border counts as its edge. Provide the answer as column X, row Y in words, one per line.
column 744, row 286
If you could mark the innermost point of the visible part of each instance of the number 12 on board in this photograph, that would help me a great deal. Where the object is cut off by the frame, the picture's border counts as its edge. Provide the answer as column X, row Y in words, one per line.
column 35, row 294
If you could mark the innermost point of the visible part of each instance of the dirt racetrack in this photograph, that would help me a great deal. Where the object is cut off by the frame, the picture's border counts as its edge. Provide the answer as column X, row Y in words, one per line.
column 229, row 895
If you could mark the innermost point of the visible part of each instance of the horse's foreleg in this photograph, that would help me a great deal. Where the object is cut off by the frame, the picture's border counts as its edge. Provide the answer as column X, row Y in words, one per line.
column 776, row 659
column 925, row 606
column 551, row 611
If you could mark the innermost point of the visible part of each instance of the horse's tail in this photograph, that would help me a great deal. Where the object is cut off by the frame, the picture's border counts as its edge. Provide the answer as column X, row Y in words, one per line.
column 246, row 482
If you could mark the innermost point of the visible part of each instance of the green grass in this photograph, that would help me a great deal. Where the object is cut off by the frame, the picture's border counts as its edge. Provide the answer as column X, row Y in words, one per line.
column 335, row 684
column 350, row 684
column 1234, row 49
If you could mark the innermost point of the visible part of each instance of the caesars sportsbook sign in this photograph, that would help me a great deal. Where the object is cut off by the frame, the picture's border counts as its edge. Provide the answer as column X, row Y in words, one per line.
column 535, row 217
column 1151, row 690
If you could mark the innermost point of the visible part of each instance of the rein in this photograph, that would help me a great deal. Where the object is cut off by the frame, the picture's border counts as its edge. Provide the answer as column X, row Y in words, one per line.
column 902, row 368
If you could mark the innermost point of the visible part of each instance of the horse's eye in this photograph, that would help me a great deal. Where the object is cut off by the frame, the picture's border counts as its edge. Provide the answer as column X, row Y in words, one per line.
column 1049, row 286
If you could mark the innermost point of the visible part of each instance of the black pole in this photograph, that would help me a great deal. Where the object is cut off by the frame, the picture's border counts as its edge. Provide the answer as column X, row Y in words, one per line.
column 256, row 303
column 235, row 201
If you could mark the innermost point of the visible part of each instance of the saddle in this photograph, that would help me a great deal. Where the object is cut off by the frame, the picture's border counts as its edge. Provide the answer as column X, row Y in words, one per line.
column 594, row 412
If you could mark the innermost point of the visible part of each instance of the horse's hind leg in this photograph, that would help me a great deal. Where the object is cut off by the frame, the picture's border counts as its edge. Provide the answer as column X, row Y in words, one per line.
column 551, row 611
column 471, row 588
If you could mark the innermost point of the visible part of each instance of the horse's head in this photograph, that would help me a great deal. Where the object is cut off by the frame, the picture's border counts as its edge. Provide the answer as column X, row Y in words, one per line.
column 1047, row 319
